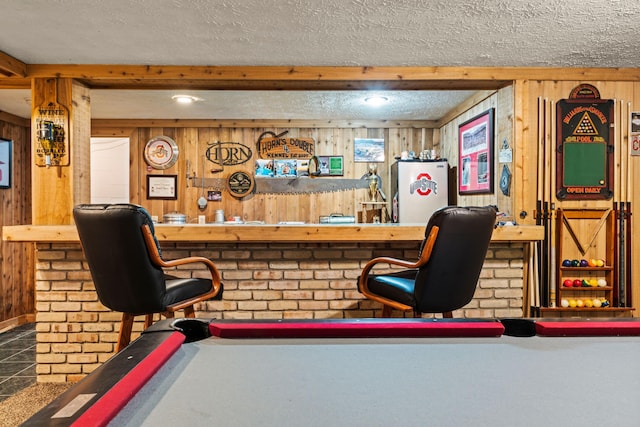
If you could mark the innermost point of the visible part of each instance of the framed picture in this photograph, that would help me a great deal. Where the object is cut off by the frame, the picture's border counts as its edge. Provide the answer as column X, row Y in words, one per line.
column 635, row 122
column 331, row 165
column 5, row 163
column 475, row 154
column 162, row 187
column 368, row 150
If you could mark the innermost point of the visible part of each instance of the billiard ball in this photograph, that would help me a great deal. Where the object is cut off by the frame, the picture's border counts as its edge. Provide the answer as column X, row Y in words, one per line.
column 596, row 302
column 593, row 283
column 593, row 262
column 588, row 303
column 579, row 303
column 567, row 283
column 564, row 303
column 572, row 303
column 575, row 263
column 600, row 263
column 585, row 283
column 602, row 282
column 584, row 263
column 577, row 283
column 605, row 303
column 566, row 263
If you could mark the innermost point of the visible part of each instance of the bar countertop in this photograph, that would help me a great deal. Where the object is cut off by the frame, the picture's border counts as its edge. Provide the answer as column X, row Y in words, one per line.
column 270, row 233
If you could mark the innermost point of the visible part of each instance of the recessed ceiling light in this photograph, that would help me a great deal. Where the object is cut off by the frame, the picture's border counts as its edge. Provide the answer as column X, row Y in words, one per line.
column 185, row 99
column 376, row 100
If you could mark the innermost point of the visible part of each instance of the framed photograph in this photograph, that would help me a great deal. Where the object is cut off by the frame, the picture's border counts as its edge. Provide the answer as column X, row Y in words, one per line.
column 162, row 187
column 368, row 150
column 635, row 123
column 5, row 163
column 331, row 165
column 475, row 154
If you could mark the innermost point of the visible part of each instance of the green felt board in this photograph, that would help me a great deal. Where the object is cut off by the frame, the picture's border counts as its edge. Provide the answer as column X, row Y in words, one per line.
column 584, row 164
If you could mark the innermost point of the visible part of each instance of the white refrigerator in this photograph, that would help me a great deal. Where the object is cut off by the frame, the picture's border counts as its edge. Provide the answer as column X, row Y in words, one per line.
column 419, row 188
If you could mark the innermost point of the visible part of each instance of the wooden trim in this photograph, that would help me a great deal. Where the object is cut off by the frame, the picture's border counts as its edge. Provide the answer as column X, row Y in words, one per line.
column 102, row 127
column 8, row 324
column 14, row 83
column 14, row 120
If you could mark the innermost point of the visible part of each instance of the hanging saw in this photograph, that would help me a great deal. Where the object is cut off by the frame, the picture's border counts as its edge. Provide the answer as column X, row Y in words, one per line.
column 303, row 185
column 300, row 185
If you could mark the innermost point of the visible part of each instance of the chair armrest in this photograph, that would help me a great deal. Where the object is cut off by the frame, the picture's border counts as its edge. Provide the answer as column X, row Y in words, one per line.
column 157, row 259
column 424, row 257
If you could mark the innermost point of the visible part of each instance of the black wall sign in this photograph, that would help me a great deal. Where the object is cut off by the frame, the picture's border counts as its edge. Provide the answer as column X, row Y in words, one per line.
column 228, row 153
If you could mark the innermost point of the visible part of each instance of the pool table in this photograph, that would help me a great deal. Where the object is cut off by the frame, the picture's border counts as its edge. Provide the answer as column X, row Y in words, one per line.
column 364, row 372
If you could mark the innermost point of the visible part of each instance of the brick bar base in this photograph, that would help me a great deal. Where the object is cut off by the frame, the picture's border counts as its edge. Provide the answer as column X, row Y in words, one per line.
column 75, row 333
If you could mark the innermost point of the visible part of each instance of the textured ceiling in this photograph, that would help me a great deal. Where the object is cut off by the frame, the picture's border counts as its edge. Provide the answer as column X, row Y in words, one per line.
column 568, row 33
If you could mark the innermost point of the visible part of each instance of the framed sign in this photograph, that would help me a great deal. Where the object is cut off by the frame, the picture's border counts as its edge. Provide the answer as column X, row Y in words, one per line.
column 162, row 187
column 584, row 149
column 5, row 163
column 475, row 154
column 51, row 135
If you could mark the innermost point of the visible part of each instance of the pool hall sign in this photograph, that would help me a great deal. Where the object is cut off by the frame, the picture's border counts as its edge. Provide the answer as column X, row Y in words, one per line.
column 584, row 145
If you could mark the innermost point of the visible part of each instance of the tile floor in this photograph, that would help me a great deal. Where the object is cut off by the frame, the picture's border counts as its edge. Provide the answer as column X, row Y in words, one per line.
column 17, row 359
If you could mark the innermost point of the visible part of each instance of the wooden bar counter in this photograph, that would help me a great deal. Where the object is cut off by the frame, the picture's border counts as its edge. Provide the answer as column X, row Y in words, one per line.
column 270, row 233
column 268, row 271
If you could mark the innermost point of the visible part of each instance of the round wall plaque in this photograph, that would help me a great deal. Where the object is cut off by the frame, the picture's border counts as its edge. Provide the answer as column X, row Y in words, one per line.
column 161, row 152
column 240, row 184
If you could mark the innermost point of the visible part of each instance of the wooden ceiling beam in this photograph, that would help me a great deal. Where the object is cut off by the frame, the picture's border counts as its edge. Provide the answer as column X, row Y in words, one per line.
column 10, row 66
column 291, row 77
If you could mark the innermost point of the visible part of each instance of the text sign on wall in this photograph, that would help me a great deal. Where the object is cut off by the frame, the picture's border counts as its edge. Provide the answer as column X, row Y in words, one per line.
column 51, row 135
column 584, row 146
column 228, row 153
column 272, row 146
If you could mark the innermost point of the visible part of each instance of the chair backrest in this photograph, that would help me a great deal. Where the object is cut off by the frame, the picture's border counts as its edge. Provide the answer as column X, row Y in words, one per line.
column 448, row 280
column 124, row 277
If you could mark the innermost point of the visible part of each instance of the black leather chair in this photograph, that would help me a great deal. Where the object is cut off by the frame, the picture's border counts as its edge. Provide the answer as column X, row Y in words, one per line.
column 445, row 276
column 127, row 267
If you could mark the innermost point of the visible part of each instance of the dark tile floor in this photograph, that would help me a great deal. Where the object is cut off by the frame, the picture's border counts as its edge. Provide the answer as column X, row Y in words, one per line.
column 17, row 359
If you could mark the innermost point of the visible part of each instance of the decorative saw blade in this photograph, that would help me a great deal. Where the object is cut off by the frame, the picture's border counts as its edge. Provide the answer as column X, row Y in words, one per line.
column 307, row 185
column 290, row 185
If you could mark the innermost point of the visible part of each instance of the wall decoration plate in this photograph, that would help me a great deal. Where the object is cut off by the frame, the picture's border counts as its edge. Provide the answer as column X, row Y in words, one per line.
column 161, row 152
column 240, row 183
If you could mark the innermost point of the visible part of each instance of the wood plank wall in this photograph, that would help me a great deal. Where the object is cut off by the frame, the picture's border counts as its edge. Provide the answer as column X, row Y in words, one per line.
column 17, row 259
column 193, row 141
column 538, row 171
column 271, row 208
